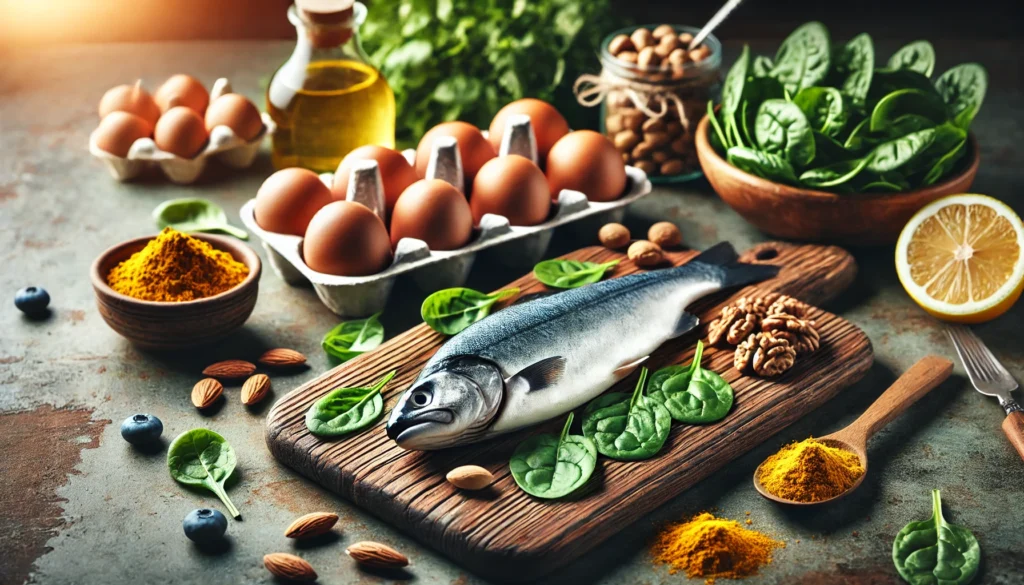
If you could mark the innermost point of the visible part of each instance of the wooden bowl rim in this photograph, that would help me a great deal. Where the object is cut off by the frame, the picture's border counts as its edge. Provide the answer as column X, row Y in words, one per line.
column 238, row 251
column 704, row 149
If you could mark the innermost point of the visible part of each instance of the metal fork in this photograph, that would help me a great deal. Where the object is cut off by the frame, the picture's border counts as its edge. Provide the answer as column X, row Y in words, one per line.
column 989, row 377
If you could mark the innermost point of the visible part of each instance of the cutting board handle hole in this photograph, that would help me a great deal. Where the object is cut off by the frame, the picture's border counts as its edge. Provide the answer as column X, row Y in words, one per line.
column 766, row 254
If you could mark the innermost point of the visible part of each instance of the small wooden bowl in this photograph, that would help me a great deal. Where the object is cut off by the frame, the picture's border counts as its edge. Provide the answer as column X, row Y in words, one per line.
column 168, row 326
column 818, row 216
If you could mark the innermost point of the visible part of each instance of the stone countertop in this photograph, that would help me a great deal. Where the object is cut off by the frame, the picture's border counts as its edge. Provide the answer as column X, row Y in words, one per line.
column 78, row 505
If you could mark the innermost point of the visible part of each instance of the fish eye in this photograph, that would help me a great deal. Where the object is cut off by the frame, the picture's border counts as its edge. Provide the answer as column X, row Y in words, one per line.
column 421, row 397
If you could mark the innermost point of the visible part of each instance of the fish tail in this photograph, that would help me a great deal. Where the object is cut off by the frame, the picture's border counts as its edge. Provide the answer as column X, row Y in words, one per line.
column 720, row 254
column 723, row 256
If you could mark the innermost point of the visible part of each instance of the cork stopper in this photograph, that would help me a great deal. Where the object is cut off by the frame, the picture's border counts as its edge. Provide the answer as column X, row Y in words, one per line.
column 329, row 22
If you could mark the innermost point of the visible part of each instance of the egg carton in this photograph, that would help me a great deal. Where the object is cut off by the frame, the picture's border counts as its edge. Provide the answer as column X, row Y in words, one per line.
column 495, row 239
column 223, row 144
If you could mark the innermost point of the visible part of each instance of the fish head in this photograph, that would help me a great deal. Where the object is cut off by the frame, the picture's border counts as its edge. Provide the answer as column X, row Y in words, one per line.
column 449, row 406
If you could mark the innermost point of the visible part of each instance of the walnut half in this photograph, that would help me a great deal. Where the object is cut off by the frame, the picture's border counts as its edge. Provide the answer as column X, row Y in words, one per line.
column 800, row 333
column 733, row 326
column 764, row 354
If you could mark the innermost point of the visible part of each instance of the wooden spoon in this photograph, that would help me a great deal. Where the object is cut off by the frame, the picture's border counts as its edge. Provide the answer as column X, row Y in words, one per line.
column 926, row 374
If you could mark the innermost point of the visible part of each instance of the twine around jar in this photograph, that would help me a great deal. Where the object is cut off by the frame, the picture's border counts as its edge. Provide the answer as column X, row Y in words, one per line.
column 591, row 90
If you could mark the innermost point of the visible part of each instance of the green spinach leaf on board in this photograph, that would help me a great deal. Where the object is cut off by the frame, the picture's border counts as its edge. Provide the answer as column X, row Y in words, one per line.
column 351, row 338
column 203, row 458
column 570, row 273
column 907, row 101
column 804, row 58
column 933, row 551
column 825, row 109
column 963, row 89
column 835, row 174
column 627, row 426
column 195, row 215
column 347, row 410
column 854, row 65
column 782, row 128
column 451, row 310
column 765, row 165
column 552, row 467
column 917, row 56
column 696, row 396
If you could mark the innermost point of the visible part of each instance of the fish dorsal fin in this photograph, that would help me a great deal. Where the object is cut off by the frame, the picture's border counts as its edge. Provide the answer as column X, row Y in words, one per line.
column 538, row 375
column 627, row 369
column 687, row 322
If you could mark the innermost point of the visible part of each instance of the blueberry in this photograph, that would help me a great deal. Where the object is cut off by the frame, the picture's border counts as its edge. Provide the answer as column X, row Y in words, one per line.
column 141, row 429
column 32, row 300
column 204, row 525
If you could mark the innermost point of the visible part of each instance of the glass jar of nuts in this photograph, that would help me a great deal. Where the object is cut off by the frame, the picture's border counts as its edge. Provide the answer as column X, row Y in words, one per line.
column 652, row 91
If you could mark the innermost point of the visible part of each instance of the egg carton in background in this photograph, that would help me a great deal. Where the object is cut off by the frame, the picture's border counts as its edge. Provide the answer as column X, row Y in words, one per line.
column 495, row 238
column 223, row 144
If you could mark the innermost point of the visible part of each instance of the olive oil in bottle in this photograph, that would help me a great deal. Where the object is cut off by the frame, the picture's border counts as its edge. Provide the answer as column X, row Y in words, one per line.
column 327, row 100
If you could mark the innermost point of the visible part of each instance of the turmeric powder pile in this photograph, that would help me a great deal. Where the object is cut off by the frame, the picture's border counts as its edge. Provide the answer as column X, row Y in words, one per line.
column 713, row 548
column 175, row 267
column 810, row 471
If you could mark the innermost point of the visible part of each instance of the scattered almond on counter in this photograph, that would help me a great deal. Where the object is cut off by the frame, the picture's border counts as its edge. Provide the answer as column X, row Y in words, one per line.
column 281, row 358
column 377, row 555
column 230, row 370
column 206, row 392
column 289, row 567
column 255, row 389
column 311, row 525
column 613, row 235
column 645, row 254
column 665, row 234
column 470, row 477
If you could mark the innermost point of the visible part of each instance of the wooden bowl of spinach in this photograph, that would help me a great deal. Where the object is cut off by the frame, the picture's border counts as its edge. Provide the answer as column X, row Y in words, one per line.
column 826, row 144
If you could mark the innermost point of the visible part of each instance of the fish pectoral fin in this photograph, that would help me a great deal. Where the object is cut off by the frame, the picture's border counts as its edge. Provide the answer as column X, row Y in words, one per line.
column 687, row 322
column 538, row 376
column 627, row 369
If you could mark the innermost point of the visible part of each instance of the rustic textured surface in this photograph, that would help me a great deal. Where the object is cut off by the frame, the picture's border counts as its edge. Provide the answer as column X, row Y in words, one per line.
column 504, row 532
column 118, row 514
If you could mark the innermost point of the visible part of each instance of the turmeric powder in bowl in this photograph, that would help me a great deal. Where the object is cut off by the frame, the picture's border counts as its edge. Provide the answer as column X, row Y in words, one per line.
column 810, row 471
column 175, row 267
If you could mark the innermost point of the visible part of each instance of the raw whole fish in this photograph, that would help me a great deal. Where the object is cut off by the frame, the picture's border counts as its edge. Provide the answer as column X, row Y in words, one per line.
column 540, row 359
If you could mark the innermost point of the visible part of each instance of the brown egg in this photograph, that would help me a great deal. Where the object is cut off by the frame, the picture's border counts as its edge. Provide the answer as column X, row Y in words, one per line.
column 473, row 148
column 132, row 99
column 288, row 199
column 396, row 172
column 180, row 131
column 548, row 125
column 586, row 161
column 435, row 212
column 235, row 112
column 119, row 130
column 512, row 186
column 347, row 239
column 182, row 90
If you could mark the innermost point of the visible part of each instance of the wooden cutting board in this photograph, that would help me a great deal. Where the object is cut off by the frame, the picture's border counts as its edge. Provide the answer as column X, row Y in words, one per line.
column 504, row 533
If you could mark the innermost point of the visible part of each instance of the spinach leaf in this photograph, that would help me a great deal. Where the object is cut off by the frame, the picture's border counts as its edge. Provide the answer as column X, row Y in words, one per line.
column 857, row 138
column 945, row 163
column 906, row 124
column 917, row 56
column 762, row 66
column 756, row 91
column 781, row 128
column 963, row 89
column 804, row 57
column 825, row 109
column 768, row 166
column 351, row 338
column 201, row 457
column 947, row 138
column 627, row 426
column 732, row 91
column 898, row 152
column 934, row 551
column 695, row 395
column 719, row 136
column 451, row 310
column 834, row 174
column 828, row 151
column 195, row 215
column 347, row 410
column 551, row 467
column 854, row 65
column 570, row 273
column 886, row 81
column 907, row 101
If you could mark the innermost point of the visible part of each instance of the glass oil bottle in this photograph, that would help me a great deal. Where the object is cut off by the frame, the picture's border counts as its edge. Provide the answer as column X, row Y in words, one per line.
column 327, row 99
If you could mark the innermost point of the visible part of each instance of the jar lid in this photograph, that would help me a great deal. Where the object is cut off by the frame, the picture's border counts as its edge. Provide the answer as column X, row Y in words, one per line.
column 325, row 11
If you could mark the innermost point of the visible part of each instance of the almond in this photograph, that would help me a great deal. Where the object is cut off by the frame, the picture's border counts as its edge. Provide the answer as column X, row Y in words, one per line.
column 289, row 567
column 206, row 392
column 470, row 477
column 255, row 389
column 281, row 358
column 375, row 554
column 230, row 370
column 311, row 525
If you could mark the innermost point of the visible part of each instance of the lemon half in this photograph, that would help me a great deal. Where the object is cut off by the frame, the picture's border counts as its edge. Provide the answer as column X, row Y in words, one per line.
column 961, row 258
